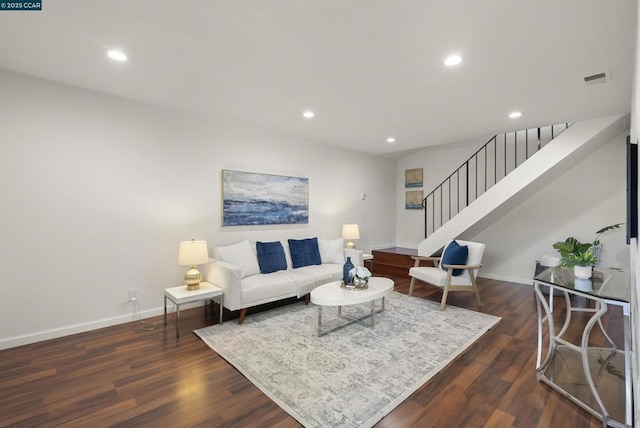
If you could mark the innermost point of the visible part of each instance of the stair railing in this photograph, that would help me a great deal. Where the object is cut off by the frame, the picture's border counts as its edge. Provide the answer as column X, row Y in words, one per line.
column 488, row 165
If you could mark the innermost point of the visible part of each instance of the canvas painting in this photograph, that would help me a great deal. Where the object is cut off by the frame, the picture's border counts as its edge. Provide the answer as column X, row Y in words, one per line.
column 257, row 199
column 413, row 200
column 413, row 177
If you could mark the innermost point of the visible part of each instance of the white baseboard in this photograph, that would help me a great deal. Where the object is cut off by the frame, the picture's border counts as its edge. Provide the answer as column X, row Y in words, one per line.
column 524, row 281
column 12, row 342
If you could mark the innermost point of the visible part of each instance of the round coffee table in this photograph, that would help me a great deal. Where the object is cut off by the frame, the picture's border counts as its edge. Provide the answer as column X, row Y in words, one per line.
column 331, row 294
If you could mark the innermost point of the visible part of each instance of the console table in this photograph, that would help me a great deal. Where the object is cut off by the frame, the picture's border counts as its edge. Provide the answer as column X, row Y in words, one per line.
column 597, row 378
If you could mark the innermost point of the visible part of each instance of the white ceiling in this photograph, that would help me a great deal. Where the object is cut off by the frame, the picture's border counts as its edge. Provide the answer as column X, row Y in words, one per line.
column 368, row 68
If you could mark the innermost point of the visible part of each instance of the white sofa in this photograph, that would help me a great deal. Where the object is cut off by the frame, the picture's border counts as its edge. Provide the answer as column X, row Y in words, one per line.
column 237, row 270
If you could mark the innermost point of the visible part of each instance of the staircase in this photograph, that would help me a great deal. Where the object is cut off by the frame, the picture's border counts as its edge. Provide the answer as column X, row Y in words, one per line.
column 503, row 173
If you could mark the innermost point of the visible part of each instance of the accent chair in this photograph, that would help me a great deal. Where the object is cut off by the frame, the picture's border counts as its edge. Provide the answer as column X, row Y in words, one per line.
column 455, row 270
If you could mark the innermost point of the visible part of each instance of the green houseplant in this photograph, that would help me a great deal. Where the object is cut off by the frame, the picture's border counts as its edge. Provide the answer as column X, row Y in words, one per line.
column 575, row 253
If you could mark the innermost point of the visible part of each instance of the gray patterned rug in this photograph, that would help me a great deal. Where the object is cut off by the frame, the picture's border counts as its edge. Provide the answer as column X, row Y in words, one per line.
column 351, row 377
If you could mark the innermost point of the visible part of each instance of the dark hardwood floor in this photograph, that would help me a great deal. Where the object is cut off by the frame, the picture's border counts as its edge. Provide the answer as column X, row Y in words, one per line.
column 125, row 376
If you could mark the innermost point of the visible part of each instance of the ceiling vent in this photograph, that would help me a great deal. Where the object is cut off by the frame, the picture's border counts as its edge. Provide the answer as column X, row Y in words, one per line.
column 596, row 78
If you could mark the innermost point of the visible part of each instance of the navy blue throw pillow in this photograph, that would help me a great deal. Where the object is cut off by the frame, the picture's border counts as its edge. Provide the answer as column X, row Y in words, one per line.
column 271, row 256
column 455, row 254
column 304, row 252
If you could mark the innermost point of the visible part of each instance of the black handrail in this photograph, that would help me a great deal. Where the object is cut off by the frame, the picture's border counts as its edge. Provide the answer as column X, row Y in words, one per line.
column 430, row 202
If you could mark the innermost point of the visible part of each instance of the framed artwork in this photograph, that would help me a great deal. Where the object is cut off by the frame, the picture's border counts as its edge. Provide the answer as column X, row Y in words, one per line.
column 413, row 177
column 413, row 200
column 250, row 198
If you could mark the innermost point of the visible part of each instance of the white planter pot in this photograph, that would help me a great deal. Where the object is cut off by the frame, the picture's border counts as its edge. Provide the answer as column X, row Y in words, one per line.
column 582, row 272
column 583, row 285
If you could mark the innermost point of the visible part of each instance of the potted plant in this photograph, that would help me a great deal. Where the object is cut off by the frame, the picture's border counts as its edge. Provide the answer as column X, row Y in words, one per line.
column 581, row 257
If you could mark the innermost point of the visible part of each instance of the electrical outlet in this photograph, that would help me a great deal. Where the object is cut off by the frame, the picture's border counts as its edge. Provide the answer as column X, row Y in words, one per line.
column 133, row 294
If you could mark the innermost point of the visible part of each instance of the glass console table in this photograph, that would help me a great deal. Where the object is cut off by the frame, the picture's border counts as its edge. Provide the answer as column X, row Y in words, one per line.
column 597, row 378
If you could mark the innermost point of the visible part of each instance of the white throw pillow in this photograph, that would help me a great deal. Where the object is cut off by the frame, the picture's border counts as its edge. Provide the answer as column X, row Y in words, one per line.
column 331, row 251
column 242, row 255
column 287, row 253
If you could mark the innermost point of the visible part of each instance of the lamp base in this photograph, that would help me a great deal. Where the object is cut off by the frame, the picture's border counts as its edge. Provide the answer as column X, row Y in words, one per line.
column 350, row 246
column 193, row 278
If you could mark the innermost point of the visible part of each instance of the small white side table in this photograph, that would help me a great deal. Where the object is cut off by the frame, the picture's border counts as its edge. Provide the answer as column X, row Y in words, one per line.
column 179, row 295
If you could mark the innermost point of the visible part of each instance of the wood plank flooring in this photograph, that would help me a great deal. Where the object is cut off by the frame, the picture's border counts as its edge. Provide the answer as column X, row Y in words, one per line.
column 127, row 377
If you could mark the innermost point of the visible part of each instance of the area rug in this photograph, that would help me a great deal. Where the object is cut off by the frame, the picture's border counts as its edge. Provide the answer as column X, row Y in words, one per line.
column 354, row 376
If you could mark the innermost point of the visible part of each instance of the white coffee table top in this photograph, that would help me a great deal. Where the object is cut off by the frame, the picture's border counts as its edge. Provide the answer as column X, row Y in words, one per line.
column 331, row 294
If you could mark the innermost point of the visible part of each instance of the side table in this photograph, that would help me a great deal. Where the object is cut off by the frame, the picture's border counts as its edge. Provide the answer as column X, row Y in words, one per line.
column 179, row 295
column 595, row 377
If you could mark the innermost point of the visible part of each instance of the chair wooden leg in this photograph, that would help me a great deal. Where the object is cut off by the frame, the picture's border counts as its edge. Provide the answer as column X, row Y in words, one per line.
column 475, row 288
column 243, row 313
column 443, row 302
column 307, row 298
column 413, row 282
column 478, row 297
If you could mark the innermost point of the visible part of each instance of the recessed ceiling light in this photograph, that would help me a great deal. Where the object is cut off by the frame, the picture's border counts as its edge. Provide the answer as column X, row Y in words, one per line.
column 515, row 114
column 391, row 140
column 308, row 114
column 452, row 60
column 116, row 55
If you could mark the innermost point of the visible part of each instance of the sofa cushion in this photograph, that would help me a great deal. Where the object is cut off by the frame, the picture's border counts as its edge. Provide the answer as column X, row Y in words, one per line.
column 331, row 251
column 437, row 276
column 309, row 277
column 270, row 256
column 257, row 289
column 241, row 255
column 304, row 252
column 454, row 254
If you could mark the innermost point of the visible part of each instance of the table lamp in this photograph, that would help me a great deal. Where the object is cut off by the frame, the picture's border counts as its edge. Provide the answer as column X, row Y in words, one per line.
column 350, row 231
column 192, row 253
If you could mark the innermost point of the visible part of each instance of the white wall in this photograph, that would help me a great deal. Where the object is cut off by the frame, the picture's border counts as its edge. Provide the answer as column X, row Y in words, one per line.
column 96, row 192
column 437, row 163
column 587, row 197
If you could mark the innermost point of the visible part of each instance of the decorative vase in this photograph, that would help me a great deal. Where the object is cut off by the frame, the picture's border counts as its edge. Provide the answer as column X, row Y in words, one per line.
column 345, row 270
column 582, row 272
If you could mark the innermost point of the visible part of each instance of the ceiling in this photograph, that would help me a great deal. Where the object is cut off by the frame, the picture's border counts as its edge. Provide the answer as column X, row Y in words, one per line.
column 369, row 69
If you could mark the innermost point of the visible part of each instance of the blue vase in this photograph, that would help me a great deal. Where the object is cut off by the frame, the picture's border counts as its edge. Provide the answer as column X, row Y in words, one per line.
column 345, row 270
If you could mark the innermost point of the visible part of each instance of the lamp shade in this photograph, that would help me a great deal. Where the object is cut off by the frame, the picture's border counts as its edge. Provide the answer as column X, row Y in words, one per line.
column 193, row 253
column 350, row 231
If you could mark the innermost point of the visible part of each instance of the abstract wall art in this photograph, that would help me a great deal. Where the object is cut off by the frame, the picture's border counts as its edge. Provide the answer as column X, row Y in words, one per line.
column 250, row 198
column 413, row 177
column 413, row 200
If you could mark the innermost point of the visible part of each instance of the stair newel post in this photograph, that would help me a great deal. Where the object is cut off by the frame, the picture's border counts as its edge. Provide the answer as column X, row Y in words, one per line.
column 424, row 207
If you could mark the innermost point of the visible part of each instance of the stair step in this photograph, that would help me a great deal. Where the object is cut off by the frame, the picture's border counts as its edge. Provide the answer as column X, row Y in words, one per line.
column 394, row 261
